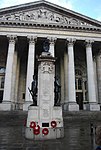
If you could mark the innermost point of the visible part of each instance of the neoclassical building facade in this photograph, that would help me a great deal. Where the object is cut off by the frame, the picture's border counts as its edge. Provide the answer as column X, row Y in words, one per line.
column 75, row 42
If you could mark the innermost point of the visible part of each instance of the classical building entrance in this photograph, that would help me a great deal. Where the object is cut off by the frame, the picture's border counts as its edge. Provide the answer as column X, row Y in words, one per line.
column 79, row 99
column 75, row 42
column 81, row 87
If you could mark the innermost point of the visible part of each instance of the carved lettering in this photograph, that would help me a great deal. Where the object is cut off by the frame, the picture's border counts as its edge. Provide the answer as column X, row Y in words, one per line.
column 45, row 113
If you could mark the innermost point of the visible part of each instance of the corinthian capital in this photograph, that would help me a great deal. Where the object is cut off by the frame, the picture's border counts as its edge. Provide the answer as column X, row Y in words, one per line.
column 52, row 40
column 12, row 38
column 89, row 42
column 32, row 39
column 71, row 41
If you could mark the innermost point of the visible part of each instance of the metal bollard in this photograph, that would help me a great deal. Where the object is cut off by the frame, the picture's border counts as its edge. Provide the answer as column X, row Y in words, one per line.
column 91, row 129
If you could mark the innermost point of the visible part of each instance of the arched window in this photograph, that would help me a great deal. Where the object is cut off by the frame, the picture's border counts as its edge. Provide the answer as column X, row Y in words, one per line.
column 78, row 72
column 79, row 84
column 85, row 85
column 78, row 80
column 2, row 82
column 2, row 79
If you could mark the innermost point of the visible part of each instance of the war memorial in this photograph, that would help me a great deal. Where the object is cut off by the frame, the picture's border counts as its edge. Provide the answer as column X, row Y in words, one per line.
column 44, row 120
column 75, row 45
column 50, row 73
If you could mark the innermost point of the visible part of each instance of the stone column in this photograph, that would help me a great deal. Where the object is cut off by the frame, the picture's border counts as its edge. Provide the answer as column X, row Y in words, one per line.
column 95, row 77
column 83, row 89
column 62, row 79
column 90, row 74
column 72, row 105
column 98, row 64
column 7, row 99
column 52, row 43
column 65, row 80
column 17, row 83
column 14, row 81
column 30, row 71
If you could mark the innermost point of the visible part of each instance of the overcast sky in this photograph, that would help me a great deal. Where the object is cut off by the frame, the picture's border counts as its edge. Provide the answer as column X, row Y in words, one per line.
column 90, row 8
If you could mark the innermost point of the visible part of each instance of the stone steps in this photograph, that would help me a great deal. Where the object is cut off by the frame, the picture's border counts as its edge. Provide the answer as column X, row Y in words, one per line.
column 17, row 118
column 82, row 115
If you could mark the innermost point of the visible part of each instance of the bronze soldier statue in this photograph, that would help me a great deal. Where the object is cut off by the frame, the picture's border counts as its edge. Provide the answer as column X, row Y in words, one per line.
column 33, row 90
column 57, row 92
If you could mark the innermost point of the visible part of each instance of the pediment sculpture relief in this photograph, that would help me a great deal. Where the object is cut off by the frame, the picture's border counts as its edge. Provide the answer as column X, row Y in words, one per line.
column 43, row 16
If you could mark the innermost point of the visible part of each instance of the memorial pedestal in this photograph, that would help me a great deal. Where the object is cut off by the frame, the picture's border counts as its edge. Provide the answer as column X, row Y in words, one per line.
column 45, row 120
column 47, row 130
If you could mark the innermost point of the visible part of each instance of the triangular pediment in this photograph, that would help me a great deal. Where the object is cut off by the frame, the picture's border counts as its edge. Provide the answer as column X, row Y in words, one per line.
column 45, row 13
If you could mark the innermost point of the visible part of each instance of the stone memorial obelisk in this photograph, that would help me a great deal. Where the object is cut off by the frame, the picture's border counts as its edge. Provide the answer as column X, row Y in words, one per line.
column 45, row 120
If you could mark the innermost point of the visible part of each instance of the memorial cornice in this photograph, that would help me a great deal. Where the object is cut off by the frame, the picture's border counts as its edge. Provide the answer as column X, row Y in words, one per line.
column 46, row 15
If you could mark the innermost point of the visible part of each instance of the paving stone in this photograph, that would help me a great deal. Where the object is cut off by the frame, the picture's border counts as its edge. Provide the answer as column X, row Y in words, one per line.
column 77, row 132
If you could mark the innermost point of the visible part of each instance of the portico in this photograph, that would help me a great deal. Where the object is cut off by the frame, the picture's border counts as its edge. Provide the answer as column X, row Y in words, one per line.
column 75, row 47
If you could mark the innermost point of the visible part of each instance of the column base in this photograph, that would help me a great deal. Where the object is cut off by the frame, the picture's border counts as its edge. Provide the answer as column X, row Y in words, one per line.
column 65, row 106
column 92, row 107
column 26, row 105
column 6, row 106
column 71, row 106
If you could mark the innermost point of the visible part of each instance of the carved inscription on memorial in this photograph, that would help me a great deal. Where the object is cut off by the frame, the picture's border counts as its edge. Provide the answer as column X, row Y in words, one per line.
column 45, row 111
column 46, row 87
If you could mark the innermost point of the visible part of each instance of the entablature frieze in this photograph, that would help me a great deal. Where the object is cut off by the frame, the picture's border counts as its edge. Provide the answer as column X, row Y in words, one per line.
column 50, row 34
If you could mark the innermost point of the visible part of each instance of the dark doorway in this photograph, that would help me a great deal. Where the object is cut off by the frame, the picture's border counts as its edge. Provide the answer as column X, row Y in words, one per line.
column 1, row 96
column 79, row 99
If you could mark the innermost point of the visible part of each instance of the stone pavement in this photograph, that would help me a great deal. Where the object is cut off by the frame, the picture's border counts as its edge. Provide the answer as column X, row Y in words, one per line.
column 77, row 132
